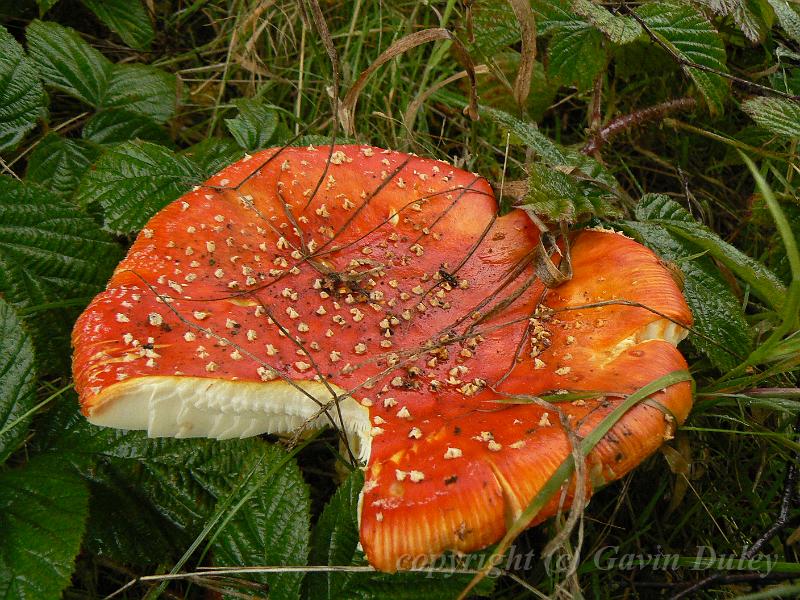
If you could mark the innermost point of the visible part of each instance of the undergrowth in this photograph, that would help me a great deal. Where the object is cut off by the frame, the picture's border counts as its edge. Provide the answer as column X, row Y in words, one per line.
column 675, row 122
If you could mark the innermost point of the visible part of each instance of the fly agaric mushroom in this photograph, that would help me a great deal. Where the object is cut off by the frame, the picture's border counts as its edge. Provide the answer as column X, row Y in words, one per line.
column 381, row 293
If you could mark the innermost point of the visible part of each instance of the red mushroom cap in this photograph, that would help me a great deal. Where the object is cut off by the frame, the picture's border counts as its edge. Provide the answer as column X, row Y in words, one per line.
column 301, row 278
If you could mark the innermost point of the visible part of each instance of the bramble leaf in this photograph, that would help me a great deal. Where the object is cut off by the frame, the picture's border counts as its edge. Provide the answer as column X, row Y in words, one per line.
column 141, row 89
column 67, row 63
column 576, row 56
column 555, row 14
column 22, row 99
column 777, row 115
column 674, row 218
column 213, row 154
column 528, row 134
column 725, row 336
column 129, row 473
column 255, row 124
column 563, row 183
column 50, row 253
column 618, row 29
column 567, row 193
column 690, row 37
column 42, row 516
column 45, row 5
column 165, row 482
column 133, row 181
column 551, row 193
column 114, row 126
column 752, row 18
column 335, row 539
column 575, row 51
column 495, row 26
column 58, row 163
column 127, row 18
column 747, row 14
column 271, row 525
column 16, row 380
column 788, row 16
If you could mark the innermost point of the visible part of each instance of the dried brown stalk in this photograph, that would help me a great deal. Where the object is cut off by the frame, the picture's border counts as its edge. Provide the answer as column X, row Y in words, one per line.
column 527, row 25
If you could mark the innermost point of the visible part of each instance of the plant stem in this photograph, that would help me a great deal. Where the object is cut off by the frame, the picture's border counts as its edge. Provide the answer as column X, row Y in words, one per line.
column 635, row 119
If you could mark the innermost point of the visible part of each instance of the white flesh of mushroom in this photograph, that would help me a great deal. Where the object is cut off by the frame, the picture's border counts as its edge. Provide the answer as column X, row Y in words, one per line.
column 185, row 407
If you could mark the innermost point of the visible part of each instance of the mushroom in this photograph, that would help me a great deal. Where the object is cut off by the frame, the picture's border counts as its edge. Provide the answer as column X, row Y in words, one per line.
column 382, row 294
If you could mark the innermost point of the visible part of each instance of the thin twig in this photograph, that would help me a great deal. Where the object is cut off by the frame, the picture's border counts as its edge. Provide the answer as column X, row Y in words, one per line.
column 215, row 572
column 693, row 65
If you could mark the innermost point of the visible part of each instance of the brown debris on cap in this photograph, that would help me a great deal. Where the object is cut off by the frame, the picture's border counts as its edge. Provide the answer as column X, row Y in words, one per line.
column 248, row 303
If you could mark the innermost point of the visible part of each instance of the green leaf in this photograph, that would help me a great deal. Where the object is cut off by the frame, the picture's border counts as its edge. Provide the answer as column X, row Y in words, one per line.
column 45, row 5
column 212, row 154
column 587, row 169
column 576, row 56
column 788, row 16
column 495, row 26
column 58, row 163
column 71, row 65
column 133, row 181
column 725, row 336
column 16, row 381
column 555, row 14
column 271, row 526
column 22, row 99
column 129, row 473
column 749, row 15
column 255, row 124
column 753, row 19
column 49, row 252
column 566, row 193
column 674, row 218
column 551, row 193
column 127, row 488
column 67, row 63
column 618, row 29
column 119, row 125
column 127, row 18
column 777, row 115
column 141, row 89
column 163, row 481
column 335, row 539
column 691, row 37
column 42, row 515
column 155, row 479
column 528, row 134
column 577, row 176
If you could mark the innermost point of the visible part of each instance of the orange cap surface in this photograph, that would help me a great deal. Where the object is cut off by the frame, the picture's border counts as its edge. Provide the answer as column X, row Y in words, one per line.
column 290, row 281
